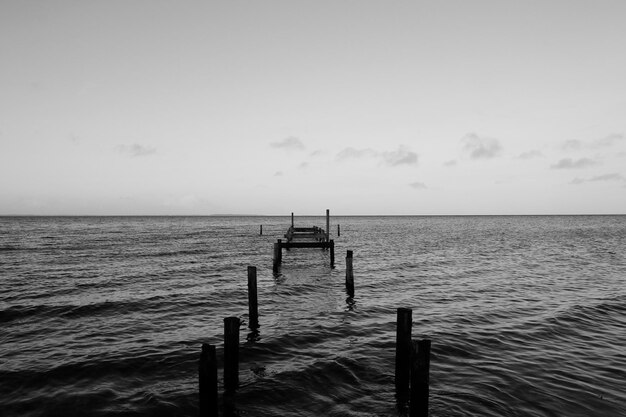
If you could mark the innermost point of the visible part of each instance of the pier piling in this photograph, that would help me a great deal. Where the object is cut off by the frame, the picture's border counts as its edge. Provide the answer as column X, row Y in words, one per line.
column 207, row 375
column 420, row 364
column 332, row 253
column 261, row 230
column 403, row 349
column 338, row 230
column 253, row 304
column 349, row 274
column 278, row 255
column 231, row 353
column 327, row 225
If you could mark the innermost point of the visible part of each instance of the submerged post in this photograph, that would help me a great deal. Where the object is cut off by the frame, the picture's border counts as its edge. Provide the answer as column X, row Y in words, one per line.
column 253, row 305
column 349, row 274
column 420, row 368
column 327, row 225
column 231, row 353
column 261, row 230
column 207, row 379
column 403, row 348
column 332, row 253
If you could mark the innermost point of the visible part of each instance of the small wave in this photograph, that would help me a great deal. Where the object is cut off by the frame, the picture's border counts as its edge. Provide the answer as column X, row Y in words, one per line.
column 8, row 248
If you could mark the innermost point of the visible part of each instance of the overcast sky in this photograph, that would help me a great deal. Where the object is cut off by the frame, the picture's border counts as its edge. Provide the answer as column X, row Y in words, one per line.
column 269, row 107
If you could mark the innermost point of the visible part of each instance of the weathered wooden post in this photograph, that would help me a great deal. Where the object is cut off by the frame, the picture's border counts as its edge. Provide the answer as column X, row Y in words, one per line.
column 338, row 231
column 403, row 348
column 420, row 369
column 207, row 378
column 327, row 225
column 261, row 230
column 231, row 353
column 278, row 255
column 349, row 274
column 253, row 307
column 332, row 253
column 292, row 219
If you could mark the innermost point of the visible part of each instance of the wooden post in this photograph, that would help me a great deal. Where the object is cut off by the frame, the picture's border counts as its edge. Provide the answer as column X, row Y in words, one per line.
column 420, row 368
column 403, row 348
column 253, row 307
column 327, row 225
column 278, row 255
column 261, row 230
column 332, row 253
column 338, row 231
column 349, row 274
column 231, row 353
column 292, row 219
column 207, row 378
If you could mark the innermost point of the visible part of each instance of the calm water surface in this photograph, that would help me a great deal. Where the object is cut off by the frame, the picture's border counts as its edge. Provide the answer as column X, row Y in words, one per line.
column 105, row 316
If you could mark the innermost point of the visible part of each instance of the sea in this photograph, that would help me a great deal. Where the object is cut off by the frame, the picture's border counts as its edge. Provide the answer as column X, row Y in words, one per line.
column 106, row 316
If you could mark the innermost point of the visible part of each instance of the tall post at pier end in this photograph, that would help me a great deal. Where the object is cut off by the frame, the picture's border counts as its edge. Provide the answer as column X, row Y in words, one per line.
column 327, row 225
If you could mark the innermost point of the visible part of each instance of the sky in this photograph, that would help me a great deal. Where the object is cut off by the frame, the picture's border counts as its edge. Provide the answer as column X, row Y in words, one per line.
column 152, row 107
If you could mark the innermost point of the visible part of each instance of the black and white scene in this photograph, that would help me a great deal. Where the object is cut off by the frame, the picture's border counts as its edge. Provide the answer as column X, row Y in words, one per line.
column 312, row 208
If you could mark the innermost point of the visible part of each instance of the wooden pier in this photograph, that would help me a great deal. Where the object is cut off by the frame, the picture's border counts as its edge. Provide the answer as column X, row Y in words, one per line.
column 305, row 237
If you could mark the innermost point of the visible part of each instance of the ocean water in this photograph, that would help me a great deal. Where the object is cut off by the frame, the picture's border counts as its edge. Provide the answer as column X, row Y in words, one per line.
column 105, row 316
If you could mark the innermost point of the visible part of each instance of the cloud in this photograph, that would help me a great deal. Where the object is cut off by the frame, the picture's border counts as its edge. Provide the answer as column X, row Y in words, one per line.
column 450, row 163
column 350, row 152
column 608, row 177
column 291, row 144
column 278, row 174
column 607, row 141
column 136, row 150
column 604, row 142
column 530, row 154
column 481, row 148
column 600, row 178
column 572, row 144
column 569, row 163
column 418, row 185
column 318, row 152
column 401, row 156
column 303, row 165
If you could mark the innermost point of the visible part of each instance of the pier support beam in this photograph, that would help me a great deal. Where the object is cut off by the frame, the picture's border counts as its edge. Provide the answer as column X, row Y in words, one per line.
column 278, row 255
column 332, row 253
column 349, row 274
column 207, row 378
column 231, row 353
column 404, row 326
column 420, row 369
column 253, row 304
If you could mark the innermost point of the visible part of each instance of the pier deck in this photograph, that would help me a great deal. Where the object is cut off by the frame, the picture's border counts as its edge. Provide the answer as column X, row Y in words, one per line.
column 305, row 237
